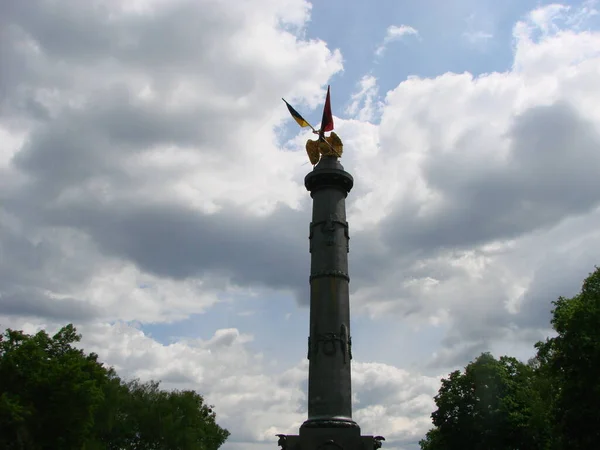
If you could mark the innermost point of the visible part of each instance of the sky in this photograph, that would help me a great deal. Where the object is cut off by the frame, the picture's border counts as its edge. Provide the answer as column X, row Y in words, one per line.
column 151, row 189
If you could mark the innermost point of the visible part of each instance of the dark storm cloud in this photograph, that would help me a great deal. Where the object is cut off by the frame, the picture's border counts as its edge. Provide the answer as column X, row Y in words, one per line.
column 98, row 143
column 450, row 357
column 74, row 29
column 83, row 45
column 177, row 377
column 30, row 270
column 164, row 239
column 79, row 31
column 560, row 274
column 175, row 242
column 71, row 74
column 33, row 303
column 82, row 143
column 552, row 173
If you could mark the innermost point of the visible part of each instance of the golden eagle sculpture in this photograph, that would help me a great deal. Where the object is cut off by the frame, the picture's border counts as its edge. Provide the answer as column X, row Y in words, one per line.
column 326, row 146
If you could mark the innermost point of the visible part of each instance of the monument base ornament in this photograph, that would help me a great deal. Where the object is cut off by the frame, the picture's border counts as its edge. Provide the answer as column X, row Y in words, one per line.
column 329, row 425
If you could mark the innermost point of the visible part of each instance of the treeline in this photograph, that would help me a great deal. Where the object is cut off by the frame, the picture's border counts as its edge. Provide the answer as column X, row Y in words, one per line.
column 55, row 396
column 550, row 403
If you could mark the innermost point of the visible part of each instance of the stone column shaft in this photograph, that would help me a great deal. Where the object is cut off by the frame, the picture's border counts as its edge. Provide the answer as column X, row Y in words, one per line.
column 329, row 425
column 329, row 353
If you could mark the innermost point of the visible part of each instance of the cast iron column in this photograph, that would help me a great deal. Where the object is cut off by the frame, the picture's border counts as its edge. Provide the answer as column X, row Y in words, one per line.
column 329, row 425
column 329, row 343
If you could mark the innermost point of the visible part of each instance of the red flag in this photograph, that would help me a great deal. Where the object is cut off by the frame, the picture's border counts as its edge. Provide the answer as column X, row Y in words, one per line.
column 327, row 121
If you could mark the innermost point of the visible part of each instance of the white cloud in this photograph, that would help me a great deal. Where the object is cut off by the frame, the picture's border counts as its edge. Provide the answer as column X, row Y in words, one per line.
column 254, row 402
column 364, row 106
column 394, row 33
column 478, row 31
column 549, row 20
column 477, row 37
column 392, row 402
column 488, row 156
column 248, row 401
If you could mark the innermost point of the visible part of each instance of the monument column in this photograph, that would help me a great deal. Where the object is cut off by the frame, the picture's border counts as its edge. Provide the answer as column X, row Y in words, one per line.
column 329, row 425
column 329, row 342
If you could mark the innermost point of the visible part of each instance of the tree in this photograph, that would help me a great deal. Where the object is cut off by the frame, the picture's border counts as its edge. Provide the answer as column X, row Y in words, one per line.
column 493, row 404
column 48, row 390
column 571, row 362
column 552, row 403
column 144, row 417
column 433, row 440
column 55, row 396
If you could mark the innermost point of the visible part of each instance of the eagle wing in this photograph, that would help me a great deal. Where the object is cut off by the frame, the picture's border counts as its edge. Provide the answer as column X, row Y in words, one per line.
column 312, row 149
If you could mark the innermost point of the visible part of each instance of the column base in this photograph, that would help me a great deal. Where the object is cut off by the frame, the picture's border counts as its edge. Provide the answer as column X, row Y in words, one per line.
column 330, row 422
column 329, row 438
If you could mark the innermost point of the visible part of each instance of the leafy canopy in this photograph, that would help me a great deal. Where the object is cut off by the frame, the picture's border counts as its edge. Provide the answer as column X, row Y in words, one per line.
column 55, row 396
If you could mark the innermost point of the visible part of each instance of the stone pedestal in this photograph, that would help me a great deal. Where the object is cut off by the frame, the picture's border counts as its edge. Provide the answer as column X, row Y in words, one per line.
column 330, row 439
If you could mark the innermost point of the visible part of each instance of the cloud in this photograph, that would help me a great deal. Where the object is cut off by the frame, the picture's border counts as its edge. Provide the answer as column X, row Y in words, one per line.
column 550, row 20
column 392, row 402
column 476, row 170
column 145, row 176
column 251, row 400
column 248, row 401
column 139, row 131
column 477, row 37
column 395, row 33
column 478, row 30
column 363, row 106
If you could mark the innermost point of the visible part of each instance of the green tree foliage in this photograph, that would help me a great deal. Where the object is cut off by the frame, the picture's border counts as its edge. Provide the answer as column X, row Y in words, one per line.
column 571, row 365
column 433, row 441
column 48, row 390
column 54, row 396
column 142, row 416
column 493, row 404
column 552, row 403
